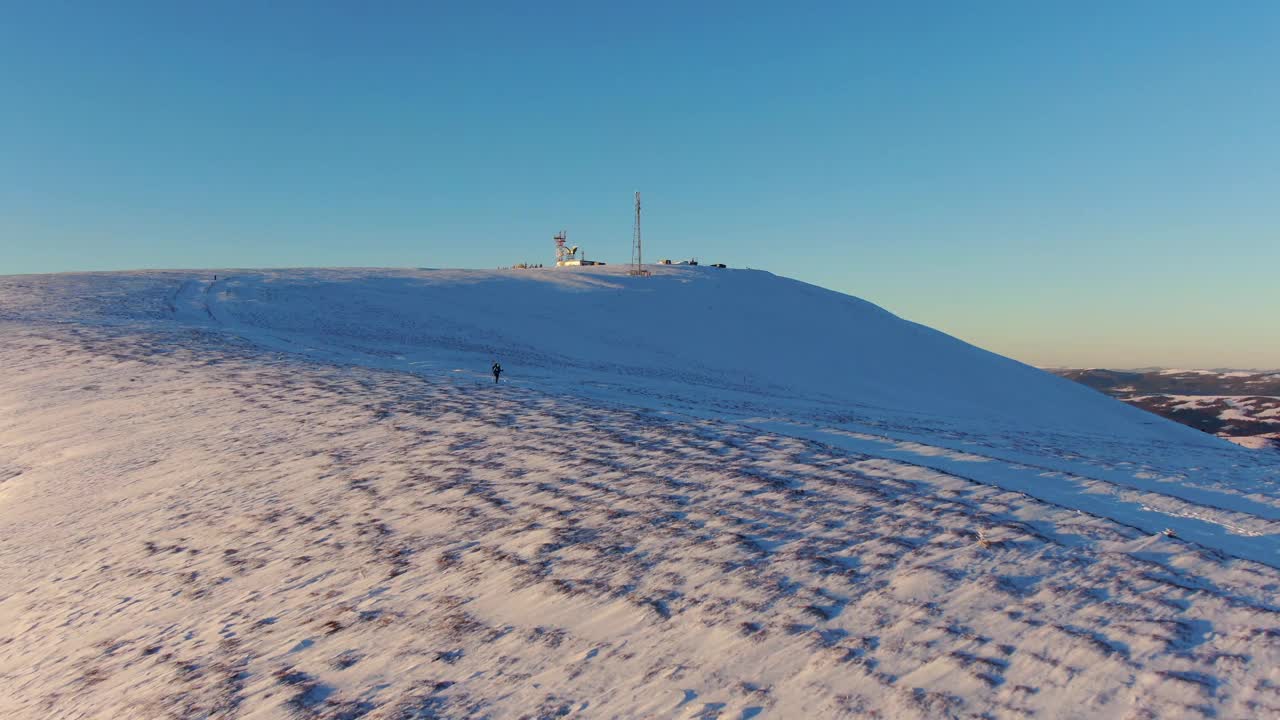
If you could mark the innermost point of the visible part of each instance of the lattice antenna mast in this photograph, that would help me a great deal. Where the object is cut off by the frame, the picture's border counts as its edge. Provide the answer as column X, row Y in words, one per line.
column 637, row 259
column 562, row 252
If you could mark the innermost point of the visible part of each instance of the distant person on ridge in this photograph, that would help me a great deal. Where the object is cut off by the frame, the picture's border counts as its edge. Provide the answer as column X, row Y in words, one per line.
column 497, row 370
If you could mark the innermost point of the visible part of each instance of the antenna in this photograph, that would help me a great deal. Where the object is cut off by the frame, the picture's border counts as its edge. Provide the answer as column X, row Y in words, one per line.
column 637, row 261
column 562, row 253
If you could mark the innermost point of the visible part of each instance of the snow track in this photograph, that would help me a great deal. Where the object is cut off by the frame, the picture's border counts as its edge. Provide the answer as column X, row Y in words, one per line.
column 1243, row 528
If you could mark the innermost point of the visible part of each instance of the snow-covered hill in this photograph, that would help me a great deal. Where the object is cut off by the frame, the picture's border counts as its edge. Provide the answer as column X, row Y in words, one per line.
column 708, row 493
column 693, row 328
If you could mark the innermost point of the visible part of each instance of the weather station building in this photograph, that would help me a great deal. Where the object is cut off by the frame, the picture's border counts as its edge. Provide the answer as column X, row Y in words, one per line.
column 568, row 256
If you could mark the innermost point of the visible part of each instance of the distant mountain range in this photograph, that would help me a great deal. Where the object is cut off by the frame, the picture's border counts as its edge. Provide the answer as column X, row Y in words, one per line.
column 1242, row 406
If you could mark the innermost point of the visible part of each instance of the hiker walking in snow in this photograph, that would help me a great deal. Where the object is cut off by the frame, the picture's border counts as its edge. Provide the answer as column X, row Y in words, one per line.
column 497, row 370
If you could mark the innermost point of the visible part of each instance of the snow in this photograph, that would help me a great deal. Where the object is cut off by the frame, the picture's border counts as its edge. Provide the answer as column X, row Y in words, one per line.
column 686, row 326
column 1233, row 413
column 1220, row 373
column 1257, row 442
column 709, row 493
column 1191, row 402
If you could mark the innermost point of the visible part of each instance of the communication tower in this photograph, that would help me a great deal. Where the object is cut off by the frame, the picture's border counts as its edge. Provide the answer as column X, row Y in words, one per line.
column 637, row 260
column 562, row 252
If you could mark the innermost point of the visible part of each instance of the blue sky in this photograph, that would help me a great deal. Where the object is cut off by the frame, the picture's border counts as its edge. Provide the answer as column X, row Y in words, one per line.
column 1075, row 183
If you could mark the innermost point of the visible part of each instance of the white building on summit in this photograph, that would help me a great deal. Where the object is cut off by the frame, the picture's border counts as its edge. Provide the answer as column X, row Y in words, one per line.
column 566, row 256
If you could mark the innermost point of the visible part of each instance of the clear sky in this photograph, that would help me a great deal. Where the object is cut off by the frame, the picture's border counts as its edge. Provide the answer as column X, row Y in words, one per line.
column 1076, row 183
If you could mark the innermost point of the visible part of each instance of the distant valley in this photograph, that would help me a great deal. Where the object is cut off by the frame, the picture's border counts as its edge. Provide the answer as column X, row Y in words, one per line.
column 1242, row 406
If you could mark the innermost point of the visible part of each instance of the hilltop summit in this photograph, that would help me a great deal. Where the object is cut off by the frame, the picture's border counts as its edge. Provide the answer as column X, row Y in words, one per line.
column 744, row 334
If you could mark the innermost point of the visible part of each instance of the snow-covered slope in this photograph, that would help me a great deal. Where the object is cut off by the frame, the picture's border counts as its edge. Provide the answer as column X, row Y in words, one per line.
column 738, row 345
column 702, row 494
column 717, row 329
column 722, row 329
